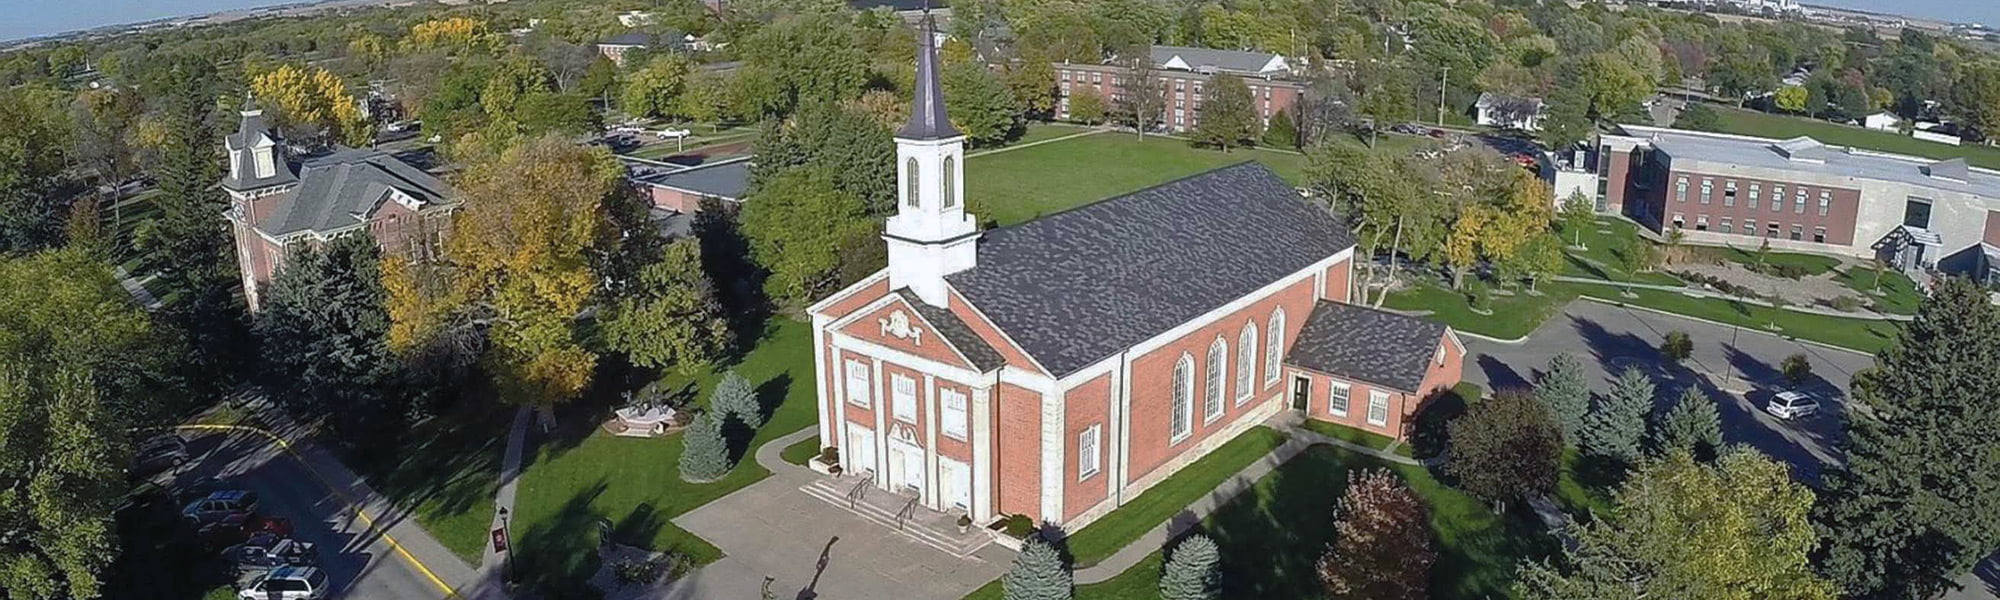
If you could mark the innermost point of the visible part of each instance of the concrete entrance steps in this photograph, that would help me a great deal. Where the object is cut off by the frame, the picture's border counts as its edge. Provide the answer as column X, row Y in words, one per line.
column 928, row 527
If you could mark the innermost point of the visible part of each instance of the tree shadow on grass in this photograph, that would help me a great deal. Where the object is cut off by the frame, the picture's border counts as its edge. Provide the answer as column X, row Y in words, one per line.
column 557, row 556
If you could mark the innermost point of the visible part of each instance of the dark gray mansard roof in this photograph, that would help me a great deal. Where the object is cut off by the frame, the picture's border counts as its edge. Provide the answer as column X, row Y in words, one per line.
column 1367, row 344
column 1076, row 287
column 954, row 330
column 336, row 189
column 252, row 130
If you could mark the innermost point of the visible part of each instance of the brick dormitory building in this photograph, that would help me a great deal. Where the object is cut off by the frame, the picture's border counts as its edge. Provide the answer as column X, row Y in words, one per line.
column 1058, row 368
column 1184, row 74
column 1799, row 194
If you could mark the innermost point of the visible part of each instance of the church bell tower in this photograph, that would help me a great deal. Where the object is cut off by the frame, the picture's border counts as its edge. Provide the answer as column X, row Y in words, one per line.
column 931, row 235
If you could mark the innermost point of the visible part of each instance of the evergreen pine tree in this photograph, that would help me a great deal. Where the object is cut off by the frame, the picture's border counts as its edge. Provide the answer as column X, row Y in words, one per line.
column 1693, row 424
column 1913, row 506
column 1563, row 391
column 704, row 455
column 1038, row 574
column 1281, row 132
column 734, row 396
column 1618, row 425
column 1194, row 572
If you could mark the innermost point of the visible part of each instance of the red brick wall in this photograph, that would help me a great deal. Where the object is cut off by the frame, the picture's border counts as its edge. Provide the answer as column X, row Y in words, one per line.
column 1617, row 176
column 959, row 450
column 1992, row 228
column 1838, row 222
column 857, row 298
column 1086, row 405
column 927, row 344
column 1017, row 451
column 1268, row 96
column 1338, row 286
column 858, row 414
column 1151, row 442
column 1403, row 407
column 674, row 200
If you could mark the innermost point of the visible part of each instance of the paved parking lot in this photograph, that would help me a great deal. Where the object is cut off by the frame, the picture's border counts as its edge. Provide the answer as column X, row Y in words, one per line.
column 1737, row 367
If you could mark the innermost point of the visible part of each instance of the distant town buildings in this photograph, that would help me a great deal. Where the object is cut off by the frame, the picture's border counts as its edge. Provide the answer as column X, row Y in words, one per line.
column 1508, row 112
column 1183, row 75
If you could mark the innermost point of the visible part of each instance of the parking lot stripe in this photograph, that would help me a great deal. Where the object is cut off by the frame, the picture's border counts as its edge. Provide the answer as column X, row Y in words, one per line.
column 286, row 445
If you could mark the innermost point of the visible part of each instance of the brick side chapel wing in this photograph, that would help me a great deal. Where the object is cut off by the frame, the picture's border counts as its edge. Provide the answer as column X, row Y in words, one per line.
column 1368, row 345
column 1076, row 287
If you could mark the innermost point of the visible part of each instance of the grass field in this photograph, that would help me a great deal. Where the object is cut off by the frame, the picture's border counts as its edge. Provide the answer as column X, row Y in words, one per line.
column 572, row 484
column 446, row 475
column 1019, row 185
column 1603, row 251
column 1753, row 123
column 1511, row 317
column 1350, row 434
column 1120, row 527
column 1272, row 535
column 1866, row 336
column 802, row 452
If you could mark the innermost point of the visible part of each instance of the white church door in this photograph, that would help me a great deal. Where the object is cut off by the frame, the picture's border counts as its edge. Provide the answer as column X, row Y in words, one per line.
column 861, row 449
column 906, row 459
column 956, row 482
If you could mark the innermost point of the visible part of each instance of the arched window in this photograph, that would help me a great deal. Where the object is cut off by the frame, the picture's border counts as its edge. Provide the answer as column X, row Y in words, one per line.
column 1274, row 344
column 950, row 177
column 1183, row 408
column 1218, row 361
column 1246, row 362
column 910, row 185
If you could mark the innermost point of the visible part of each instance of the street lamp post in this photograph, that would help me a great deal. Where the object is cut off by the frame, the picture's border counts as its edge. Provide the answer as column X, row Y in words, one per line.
column 506, row 539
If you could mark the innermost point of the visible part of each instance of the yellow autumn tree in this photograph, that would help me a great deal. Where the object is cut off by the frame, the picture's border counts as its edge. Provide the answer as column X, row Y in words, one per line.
column 314, row 98
column 453, row 34
column 515, row 267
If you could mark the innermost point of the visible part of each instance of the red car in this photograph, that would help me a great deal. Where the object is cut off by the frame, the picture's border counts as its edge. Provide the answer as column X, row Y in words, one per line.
column 237, row 528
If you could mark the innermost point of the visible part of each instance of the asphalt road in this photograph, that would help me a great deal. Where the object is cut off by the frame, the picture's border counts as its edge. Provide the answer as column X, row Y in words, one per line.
column 1737, row 367
column 358, row 561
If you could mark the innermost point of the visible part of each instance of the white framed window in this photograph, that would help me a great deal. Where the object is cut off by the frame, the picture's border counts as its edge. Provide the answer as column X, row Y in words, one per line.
column 1181, row 422
column 1336, row 398
column 951, row 412
column 950, row 174
column 1246, row 362
column 910, row 183
column 1777, row 198
column 1087, row 456
column 1799, row 202
column 1681, row 190
column 1378, row 407
column 1218, row 361
column 1756, row 194
column 859, row 392
column 903, row 398
column 1825, row 202
column 1274, row 343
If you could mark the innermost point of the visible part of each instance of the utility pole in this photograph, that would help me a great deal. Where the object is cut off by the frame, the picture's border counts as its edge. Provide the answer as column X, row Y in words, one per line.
column 1443, row 81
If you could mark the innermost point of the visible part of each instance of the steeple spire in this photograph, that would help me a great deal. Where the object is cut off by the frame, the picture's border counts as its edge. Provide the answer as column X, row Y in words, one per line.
column 928, row 120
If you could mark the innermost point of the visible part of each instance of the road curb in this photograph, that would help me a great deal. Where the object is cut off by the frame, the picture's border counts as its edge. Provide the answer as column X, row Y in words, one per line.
column 366, row 519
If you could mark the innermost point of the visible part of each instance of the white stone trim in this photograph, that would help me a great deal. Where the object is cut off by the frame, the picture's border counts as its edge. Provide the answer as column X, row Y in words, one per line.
column 981, row 408
column 1053, row 438
column 881, row 422
column 884, row 302
column 820, row 307
column 820, row 380
column 952, row 373
column 932, row 495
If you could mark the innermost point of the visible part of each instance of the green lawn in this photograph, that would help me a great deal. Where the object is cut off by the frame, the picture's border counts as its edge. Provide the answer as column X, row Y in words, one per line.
column 1603, row 251
column 1512, row 316
column 1016, row 186
column 1119, row 528
column 634, row 483
column 1863, row 335
column 1350, row 434
column 802, row 452
column 1272, row 535
column 1753, row 123
column 446, row 473
column 1578, row 498
column 1895, row 294
column 1038, row 131
column 1811, row 264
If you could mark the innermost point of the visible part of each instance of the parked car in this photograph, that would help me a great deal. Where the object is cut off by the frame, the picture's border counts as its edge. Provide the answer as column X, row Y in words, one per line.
column 159, row 453
column 287, row 583
column 1408, row 129
column 267, row 551
column 220, row 506
column 234, row 530
column 1792, row 404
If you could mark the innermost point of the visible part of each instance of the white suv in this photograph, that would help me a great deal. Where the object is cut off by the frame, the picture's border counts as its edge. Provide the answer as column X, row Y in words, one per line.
column 1792, row 404
column 287, row 583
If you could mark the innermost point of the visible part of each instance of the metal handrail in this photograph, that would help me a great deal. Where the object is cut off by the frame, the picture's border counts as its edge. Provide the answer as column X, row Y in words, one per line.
column 903, row 516
column 860, row 487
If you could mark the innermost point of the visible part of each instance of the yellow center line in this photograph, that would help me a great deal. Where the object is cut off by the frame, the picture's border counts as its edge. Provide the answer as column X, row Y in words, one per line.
column 349, row 501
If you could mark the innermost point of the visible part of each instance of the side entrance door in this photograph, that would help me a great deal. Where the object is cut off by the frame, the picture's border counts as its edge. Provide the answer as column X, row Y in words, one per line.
column 957, row 483
column 1301, row 393
column 861, row 454
column 906, row 466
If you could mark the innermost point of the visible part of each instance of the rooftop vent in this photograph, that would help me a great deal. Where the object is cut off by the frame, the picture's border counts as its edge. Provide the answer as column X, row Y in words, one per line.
column 1801, row 149
column 1949, row 170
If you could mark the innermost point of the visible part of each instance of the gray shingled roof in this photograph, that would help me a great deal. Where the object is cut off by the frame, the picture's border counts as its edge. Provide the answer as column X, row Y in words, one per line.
column 1367, row 344
column 727, row 180
column 1221, row 60
column 629, row 38
column 1076, row 287
column 251, row 132
column 928, row 120
column 336, row 189
column 983, row 356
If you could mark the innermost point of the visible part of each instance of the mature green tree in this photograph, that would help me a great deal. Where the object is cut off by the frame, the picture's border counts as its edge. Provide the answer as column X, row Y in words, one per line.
column 1143, row 103
column 1562, row 390
column 1382, row 548
column 1506, row 447
column 1540, row 258
column 1193, row 572
column 735, row 397
column 1698, row 117
column 551, row 112
column 324, row 330
column 799, row 225
column 1226, row 117
column 1032, row 84
column 1975, row 97
column 1385, row 199
column 33, row 155
column 1618, row 424
column 670, row 318
column 811, row 57
column 1736, row 530
column 1693, row 425
column 1578, row 215
column 1039, row 573
column 1282, row 132
column 981, row 105
column 1086, row 106
column 79, row 365
column 1790, row 98
column 858, row 151
column 1913, row 507
column 654, row 90
column 704, row 452
column 1566, row 120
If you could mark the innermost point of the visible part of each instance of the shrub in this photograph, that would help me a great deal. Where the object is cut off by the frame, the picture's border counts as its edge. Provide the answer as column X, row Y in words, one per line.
column 704, row 455
column 1845, row 303
column 1382, row 549
column 1790, row 271
column 1504, row 447
column 1693, row 425
column 1478, row 296
column 1796, row 368
column 1019, row 526
column 1038, row 574
column 632, row 571
column 829, row 455
column 1193, row 572
column 1677, row 347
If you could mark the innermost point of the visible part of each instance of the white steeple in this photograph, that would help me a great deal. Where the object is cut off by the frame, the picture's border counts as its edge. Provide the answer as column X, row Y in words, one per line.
column 931, row 235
